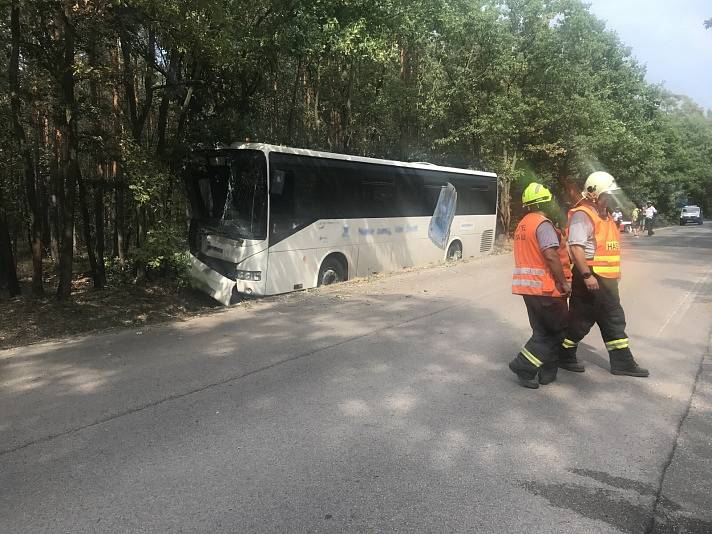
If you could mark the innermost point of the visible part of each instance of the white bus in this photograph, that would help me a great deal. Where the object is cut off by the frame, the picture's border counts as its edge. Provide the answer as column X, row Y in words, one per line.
column 268, row 219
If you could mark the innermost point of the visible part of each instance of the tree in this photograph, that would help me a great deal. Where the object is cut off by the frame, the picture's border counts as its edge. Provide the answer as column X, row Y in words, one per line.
column 104, row 99
column 24, row 149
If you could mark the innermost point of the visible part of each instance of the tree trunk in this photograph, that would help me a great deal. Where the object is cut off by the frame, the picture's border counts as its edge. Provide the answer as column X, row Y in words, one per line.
column 175, row 59
column 185, row 108
column 86, row 227
column 119, row 220
column 98, row 268
column 99, row 232
column 25, row 152
column 408, row 62
column 345, row 126
column 8, row 272
column 293, row 104
column 127, row 77
column 70, row 173
column 505, row 183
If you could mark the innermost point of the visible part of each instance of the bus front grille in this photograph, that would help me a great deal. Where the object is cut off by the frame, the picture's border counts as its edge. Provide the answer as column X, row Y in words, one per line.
column 487, row 238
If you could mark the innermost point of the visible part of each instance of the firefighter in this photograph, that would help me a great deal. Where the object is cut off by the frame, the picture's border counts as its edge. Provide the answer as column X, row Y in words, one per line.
column 594, row 243
column 543, row 277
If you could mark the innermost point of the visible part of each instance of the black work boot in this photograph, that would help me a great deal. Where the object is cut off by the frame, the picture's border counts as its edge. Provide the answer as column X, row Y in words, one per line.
column 623, row 363
column 525, row 371
column 547, row 373
column 568, row 360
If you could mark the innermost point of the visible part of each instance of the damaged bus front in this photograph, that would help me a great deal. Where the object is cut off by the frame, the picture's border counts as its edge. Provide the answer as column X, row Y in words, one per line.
column 227, row 189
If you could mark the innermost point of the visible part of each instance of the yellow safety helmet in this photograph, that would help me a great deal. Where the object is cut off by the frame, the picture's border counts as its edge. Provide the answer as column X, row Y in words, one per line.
column 535, row 193
column 597, row 183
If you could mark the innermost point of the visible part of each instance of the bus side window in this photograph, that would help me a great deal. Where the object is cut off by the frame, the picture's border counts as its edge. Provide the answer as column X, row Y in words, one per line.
column 282, row 218
column 379, row 195
column 483, row 198
column 276, row 186
column 411, row 199
column 475, row 195
column 337, row 191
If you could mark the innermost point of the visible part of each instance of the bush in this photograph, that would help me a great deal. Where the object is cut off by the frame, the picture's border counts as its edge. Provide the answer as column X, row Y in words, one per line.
column 163, row 255
column 118, row 273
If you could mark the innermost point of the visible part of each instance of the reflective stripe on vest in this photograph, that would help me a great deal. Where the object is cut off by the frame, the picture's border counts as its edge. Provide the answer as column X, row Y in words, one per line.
column 606, row 260
column 529, row 270
column 531, row 275
column 519, row 282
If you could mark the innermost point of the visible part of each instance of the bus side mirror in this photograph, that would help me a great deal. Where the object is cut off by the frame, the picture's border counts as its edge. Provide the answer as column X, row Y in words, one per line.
column 276, row 184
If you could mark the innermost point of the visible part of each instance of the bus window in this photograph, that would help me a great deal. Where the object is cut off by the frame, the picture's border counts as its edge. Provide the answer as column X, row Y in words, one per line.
column 378, row 195
column 229, row 195
column 410, row 197
column 474, row 196
column 282, row 219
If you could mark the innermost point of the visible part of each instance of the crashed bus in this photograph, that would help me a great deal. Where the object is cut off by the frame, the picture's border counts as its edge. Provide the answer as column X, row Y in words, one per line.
column 269, row 219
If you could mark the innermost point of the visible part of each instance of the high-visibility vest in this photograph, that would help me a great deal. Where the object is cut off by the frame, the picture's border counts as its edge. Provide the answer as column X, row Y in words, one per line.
column 606, row 260
column 531, row 273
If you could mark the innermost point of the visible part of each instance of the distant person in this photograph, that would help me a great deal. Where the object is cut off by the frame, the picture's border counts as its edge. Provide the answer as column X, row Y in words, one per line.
column 650, row 213
column 543, row 277
column 641, row 217
column 594, row 241
column 617, row 216
column 635, row 221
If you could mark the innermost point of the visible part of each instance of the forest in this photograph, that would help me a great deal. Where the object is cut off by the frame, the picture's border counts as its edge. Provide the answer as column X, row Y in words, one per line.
column 101, row 101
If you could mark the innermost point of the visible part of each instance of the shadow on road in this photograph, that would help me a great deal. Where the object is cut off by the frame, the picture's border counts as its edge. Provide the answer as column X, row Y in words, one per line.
column 617, row 502
column 349, row 406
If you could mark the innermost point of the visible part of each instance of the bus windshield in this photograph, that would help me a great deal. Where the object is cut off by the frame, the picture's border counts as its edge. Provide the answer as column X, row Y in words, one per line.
column 228, row 193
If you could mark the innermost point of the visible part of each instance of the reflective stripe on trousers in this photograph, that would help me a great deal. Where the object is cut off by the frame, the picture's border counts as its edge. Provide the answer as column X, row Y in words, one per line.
column 529, row 356
column 616, row 344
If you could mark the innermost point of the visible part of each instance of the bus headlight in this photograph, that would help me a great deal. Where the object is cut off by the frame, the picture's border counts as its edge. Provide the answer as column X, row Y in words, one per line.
column 251, row 276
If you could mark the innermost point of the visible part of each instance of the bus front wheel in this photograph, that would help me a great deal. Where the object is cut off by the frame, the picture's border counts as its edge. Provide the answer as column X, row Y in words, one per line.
column 332, row 271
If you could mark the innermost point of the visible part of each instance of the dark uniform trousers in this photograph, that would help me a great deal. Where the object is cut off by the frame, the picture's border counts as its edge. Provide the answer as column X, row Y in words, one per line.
column 602, row 307
column 548, row 319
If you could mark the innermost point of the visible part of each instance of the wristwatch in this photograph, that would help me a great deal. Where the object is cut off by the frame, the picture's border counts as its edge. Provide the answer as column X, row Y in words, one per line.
column 586, row 275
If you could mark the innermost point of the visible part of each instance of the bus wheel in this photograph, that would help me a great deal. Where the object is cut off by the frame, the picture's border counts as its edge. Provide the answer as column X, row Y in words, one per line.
column 332, row 271
column 454, row 251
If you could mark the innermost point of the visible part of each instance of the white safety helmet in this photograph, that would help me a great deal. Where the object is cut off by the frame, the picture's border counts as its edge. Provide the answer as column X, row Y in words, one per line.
column 597, row 183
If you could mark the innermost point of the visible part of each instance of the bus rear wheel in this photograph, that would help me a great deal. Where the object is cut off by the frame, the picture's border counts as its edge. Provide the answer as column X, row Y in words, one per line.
column 332, row 271
column 454, row 251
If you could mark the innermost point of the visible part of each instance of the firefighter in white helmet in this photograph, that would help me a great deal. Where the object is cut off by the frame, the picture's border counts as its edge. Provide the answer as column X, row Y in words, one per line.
column 595, row 247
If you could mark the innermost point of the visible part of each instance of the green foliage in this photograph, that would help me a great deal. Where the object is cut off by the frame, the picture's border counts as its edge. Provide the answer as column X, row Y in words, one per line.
column 163, row 255
column 530, row 89
column 147, row 177
column 119, row 273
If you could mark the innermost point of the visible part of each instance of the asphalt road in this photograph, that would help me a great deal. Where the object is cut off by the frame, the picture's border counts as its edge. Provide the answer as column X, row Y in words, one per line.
column 376, row 406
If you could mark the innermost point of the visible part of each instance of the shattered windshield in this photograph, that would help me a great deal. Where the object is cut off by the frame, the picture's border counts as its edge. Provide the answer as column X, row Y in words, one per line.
column 229, row 193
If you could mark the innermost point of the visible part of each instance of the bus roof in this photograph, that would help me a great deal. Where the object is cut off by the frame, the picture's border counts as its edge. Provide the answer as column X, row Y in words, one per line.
column 331, row 155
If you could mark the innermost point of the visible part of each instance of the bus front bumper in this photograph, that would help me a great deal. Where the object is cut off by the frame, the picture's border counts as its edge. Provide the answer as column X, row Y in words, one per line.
column 211, row 282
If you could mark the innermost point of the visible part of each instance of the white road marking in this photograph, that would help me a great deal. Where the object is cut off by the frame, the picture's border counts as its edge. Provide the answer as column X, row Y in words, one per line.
column 686, row 301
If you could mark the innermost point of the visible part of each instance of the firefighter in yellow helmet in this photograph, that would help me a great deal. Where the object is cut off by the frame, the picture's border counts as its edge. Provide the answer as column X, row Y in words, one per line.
column 594, row 243
column 542, row 276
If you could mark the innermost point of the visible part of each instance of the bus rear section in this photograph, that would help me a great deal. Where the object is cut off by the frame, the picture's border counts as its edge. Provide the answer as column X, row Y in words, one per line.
column 361, row 216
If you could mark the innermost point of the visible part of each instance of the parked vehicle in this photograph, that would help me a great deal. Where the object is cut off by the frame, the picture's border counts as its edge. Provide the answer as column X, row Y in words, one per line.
column 691, row 214
column 268, row 220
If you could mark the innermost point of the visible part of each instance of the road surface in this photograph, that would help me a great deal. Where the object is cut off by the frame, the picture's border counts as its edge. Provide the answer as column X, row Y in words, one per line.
column 375, row 406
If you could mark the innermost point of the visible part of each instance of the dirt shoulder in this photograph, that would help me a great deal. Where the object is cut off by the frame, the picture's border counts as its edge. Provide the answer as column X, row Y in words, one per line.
column 27, row 320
